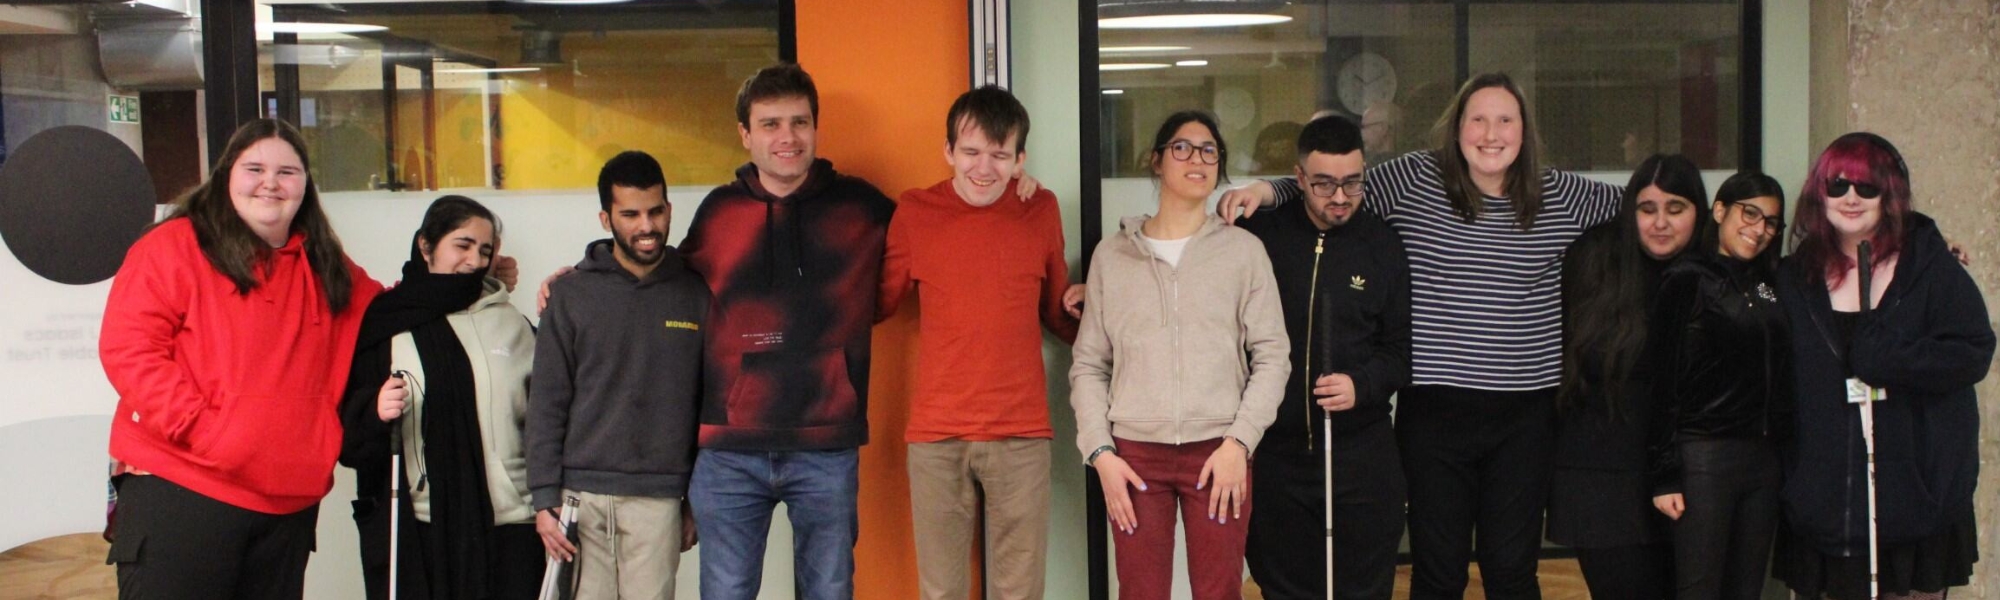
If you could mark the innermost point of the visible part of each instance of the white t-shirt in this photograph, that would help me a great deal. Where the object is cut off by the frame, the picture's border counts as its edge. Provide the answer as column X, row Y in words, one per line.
column 1169, row 250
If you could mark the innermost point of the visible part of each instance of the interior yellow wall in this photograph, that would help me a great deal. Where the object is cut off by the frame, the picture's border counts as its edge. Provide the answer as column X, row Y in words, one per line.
column 461, row 144
column 557, row 127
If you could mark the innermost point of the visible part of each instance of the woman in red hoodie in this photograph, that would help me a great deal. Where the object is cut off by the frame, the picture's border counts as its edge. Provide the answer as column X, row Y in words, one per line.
column 228, row 336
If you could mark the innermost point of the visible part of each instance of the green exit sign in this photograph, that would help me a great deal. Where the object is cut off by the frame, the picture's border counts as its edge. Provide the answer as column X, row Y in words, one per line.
column 124, row 109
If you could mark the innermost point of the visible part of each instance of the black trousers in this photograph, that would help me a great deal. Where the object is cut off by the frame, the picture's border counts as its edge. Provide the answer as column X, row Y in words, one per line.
column 1476, row 461
column 1287, row 546
column 516, row 558
column 175, row 543
column 1722, row 543
column 1636, row 572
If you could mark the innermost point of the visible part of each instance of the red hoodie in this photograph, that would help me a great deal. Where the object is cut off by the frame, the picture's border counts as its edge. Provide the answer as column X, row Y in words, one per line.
column 230, row 395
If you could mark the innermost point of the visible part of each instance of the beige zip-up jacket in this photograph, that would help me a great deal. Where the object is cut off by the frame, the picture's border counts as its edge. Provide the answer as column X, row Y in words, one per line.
column 501, row 349
column 1180, row 354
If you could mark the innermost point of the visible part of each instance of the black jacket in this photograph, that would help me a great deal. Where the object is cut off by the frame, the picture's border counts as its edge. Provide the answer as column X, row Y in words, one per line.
column 1600, row 495
column 1927, row 344
column 1360, row 324
column 616, row 392
column 1719, row 343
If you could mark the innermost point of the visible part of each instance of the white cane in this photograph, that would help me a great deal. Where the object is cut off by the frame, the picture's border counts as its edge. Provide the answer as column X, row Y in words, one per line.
column 1868, row 433
column 395, row 495
column 555, row 575
column 1328, row 482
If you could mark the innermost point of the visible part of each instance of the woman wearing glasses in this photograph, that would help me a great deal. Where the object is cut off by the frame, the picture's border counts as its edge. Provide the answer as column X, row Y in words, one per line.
column 1485, row 226
column 1924, row 341
column 1180, row 364
column 1718, row 343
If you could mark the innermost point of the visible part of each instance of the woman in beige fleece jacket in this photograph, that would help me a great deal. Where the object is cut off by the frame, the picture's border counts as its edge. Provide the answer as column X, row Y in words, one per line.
column 1179, row 366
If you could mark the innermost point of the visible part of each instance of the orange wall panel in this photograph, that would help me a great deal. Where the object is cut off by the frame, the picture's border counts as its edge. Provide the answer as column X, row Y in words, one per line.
column 887, row 71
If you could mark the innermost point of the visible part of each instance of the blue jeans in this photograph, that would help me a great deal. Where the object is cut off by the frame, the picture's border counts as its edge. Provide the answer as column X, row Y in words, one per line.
column 733, row 494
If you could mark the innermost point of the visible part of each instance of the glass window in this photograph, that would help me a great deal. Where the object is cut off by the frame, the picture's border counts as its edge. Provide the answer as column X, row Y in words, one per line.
column 511, row 95
column 1609, row 82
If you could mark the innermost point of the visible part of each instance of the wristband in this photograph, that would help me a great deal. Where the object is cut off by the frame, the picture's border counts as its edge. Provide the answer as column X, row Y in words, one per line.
column 1092, row 460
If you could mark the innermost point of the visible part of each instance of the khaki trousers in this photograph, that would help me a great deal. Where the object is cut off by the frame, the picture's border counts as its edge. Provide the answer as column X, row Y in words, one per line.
column 950, row 482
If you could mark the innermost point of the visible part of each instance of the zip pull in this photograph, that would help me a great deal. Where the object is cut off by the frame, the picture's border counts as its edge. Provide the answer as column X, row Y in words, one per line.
column 1319, row 245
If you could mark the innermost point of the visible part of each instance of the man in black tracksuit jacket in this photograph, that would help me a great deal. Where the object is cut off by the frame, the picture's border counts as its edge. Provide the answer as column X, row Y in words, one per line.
column 1343, row 280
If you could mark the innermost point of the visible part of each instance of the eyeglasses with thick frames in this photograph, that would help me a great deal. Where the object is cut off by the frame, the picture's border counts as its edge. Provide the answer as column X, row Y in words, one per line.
column 1755, row 216
column 1838, row 186
column 1183, row 150
column 1324, row 187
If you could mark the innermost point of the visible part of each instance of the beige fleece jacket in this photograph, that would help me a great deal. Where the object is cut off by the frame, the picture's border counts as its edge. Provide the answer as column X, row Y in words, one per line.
column 1179, row 354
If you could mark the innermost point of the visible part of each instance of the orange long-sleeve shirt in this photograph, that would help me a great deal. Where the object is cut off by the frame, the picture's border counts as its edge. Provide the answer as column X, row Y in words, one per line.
column 989, row 279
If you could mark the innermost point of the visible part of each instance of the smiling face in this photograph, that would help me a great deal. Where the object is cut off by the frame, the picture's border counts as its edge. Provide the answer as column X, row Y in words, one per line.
column 638, row 220
column 1666, row 222
column 1489, row 136
column 982, row 168
column 266, row 185
column 780, row 139
column 1744, row 228
column 1191, row 177
column 1853, row 216
column 463, row 251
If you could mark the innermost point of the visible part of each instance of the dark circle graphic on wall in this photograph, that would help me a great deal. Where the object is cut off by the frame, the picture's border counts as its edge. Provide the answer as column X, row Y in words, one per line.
column 72, row 201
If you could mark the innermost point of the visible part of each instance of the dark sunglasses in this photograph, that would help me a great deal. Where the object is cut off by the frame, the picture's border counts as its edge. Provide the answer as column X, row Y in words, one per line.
column 1838, row 187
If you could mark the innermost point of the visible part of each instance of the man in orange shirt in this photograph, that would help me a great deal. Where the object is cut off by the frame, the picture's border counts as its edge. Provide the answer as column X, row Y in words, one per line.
column 991, row 274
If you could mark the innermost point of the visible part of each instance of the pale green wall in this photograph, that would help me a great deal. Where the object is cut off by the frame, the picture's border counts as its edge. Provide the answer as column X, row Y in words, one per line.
column 1045, row 79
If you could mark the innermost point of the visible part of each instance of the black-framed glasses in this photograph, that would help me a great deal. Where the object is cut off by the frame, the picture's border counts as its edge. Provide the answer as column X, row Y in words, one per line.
column 1324, row 187
column 1183, row 150
column 1755, row 216
column 1838, row 187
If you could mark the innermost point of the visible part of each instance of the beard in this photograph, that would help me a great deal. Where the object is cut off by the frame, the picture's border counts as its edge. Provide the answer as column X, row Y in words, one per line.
column 625, row 246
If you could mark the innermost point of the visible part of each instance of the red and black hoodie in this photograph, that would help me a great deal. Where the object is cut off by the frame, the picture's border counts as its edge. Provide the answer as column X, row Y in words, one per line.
column 794, row 280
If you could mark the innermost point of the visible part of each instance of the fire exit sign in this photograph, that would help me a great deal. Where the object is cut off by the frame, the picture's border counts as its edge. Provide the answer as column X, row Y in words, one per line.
column 124, row 109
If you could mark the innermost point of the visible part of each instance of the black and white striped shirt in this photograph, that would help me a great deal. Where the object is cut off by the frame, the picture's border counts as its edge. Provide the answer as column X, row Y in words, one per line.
column 1485, row 297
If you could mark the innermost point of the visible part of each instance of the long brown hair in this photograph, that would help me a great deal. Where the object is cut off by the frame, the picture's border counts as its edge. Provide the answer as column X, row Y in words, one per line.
column 236, row 251
column 1524, row 177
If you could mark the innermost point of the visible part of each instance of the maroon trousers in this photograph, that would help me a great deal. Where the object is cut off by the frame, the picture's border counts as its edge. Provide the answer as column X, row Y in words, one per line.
column 1214, row 547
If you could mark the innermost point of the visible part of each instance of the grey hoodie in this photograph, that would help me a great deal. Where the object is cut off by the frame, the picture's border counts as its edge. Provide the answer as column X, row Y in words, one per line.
column 1181, row 354
column 617, row 385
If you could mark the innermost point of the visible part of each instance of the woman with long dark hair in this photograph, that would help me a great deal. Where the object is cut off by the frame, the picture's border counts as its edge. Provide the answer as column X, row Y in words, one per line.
column 1720, row 395
column 1600, row 501
column 446, row 348
column 228, row 334
column 1485, row 226
column 1924, row 341
column 1180, row 364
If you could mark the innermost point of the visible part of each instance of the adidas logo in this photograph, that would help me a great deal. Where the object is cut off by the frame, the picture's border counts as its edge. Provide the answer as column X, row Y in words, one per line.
column 1357, row 283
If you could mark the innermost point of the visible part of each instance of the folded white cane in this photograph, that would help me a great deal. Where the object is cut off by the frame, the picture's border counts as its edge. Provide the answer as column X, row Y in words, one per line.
column 555, row 576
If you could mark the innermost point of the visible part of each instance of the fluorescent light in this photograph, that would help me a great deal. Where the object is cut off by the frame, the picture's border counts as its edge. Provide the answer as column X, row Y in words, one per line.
column 1124, row 49
column 1190, row 21
column 323, row 28
column 572, row 1
column 1191, row 63
column 1113, row 92
column 493, row 70
column 1130, row 66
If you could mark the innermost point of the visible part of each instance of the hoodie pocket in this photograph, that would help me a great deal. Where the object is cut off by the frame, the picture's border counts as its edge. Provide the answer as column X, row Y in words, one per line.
column 1144, row 373
column 793, row 389
column 274, row 445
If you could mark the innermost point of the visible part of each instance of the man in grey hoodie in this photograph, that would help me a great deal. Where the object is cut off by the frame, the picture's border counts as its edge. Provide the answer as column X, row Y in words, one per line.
column 615, row 393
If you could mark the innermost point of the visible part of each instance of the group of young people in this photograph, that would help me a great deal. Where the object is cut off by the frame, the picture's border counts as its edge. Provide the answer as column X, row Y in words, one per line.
column 1640, row 354
column 1644, row 369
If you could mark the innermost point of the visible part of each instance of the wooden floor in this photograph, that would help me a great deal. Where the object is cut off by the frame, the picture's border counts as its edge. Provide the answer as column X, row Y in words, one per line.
column 73, row 567
column 1560, row 581
column 70, row 566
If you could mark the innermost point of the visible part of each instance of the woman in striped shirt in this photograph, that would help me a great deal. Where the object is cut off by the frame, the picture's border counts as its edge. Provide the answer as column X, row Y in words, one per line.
column 1485, row 226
